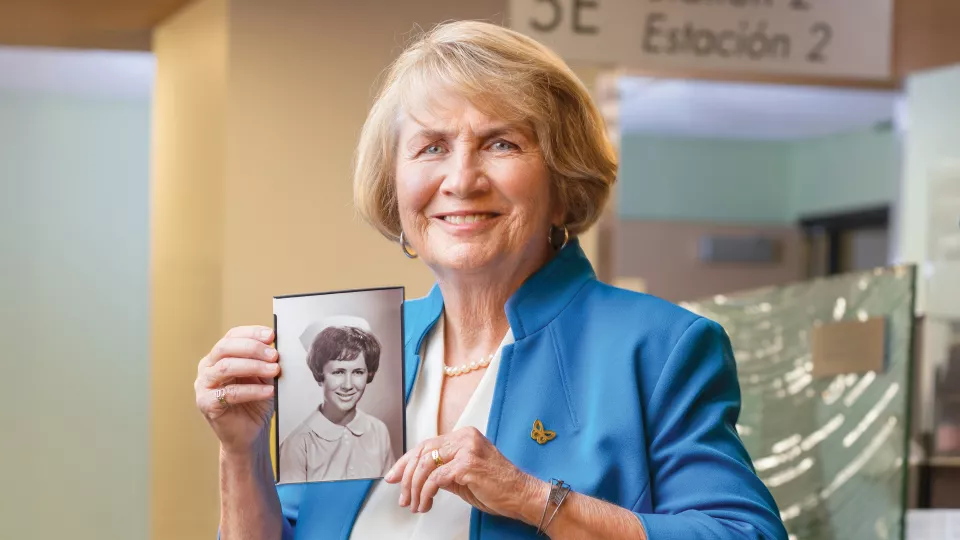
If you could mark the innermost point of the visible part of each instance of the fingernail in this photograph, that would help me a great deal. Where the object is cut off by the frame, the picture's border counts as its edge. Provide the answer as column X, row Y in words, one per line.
column 265, row 334
column 270, row 352
column 268, row 390
column 403, row 500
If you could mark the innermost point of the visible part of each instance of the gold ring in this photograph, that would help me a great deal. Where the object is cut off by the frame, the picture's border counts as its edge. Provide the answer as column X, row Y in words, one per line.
column 221, row 395
column 436, row 457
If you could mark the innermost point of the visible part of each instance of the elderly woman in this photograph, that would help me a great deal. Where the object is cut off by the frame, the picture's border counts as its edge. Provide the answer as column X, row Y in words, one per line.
column 539, row 400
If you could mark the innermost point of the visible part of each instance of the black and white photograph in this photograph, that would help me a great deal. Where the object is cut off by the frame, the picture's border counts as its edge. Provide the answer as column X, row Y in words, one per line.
column 340, row 390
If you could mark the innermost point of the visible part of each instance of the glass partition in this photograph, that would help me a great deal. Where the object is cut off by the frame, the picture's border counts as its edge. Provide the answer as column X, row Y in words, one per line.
column 830, row 448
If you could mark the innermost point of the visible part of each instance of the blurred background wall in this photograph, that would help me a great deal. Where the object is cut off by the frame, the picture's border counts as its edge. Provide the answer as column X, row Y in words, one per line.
column 934, row 125
column 746, row 161
column 74, row 168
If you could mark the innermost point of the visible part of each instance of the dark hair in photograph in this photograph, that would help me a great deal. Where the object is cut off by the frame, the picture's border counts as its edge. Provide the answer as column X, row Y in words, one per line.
column 343, row 343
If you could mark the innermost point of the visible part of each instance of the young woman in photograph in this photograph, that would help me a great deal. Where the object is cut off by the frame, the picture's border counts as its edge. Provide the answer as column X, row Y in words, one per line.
column 338, row 441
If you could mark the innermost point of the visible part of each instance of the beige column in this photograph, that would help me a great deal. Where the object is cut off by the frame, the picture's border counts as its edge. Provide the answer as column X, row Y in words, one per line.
column 186, row 267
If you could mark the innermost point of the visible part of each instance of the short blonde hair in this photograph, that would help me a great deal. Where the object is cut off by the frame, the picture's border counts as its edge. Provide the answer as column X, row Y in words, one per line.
column 504, row 74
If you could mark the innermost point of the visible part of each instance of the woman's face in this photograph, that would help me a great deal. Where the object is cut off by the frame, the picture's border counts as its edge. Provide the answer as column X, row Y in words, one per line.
column 343, row 383
column 473, row 190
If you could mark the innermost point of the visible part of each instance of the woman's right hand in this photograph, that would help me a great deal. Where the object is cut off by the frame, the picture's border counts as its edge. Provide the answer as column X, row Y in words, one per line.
column 243, row 364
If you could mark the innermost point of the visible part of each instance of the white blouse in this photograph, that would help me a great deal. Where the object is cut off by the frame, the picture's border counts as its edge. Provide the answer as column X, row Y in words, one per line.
column 449, row 518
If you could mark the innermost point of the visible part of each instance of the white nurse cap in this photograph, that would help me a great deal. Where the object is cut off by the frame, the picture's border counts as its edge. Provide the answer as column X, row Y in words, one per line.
column 314, row 328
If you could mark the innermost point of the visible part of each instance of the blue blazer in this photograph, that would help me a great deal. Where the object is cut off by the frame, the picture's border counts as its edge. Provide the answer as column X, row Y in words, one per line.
column 643, row 397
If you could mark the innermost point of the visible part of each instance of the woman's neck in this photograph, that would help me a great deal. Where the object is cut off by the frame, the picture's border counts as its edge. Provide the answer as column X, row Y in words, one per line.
column 475, row 320
column 474, row 323
column 338, row 416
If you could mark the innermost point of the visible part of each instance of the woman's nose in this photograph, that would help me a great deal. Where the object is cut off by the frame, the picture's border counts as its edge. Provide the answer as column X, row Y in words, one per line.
column 463, row 176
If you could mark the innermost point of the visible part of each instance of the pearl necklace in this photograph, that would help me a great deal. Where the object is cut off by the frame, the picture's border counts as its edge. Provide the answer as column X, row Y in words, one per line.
column 453, row 371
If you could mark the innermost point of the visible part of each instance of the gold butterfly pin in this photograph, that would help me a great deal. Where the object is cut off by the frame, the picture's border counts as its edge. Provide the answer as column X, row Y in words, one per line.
column 541, row 435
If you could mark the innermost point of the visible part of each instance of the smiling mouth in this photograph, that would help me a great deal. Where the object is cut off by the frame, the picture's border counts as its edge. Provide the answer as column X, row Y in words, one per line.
column 346, row 396
column 469, row 218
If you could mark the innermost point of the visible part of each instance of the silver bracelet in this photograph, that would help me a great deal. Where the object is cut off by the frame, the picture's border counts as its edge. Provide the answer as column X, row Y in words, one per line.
column 558, row 493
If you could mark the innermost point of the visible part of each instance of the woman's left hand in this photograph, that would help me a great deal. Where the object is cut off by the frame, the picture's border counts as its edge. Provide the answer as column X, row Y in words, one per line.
column 472, row 469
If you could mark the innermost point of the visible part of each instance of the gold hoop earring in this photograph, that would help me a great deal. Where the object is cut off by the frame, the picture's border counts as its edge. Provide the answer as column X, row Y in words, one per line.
column 552, row 242
column 405, row 247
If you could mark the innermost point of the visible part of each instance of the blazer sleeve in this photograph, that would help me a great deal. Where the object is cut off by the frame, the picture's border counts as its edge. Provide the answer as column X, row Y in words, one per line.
column 703, row 481
column 290, row 495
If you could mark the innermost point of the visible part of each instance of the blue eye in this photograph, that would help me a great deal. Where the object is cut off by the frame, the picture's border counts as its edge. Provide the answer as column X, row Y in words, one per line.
column 433, row 149
column 503, row 146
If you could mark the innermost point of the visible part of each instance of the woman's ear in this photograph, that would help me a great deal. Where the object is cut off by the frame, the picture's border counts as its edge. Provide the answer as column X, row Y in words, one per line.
column 559, row 211
column 559, row 215
column 558, row 218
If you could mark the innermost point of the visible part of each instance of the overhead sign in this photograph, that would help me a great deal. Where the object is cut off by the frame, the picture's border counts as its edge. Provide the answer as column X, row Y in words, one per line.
column 833, row 38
